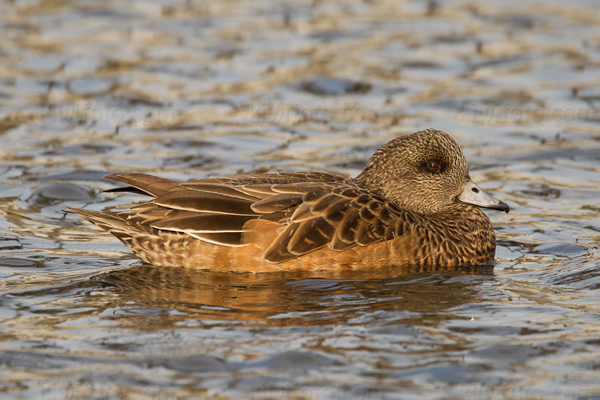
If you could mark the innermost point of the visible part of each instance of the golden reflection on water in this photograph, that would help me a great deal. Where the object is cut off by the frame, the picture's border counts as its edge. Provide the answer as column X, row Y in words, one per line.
column 287, row 298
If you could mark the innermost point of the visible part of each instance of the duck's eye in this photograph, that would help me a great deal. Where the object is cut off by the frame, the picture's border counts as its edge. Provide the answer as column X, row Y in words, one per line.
column 435, row 166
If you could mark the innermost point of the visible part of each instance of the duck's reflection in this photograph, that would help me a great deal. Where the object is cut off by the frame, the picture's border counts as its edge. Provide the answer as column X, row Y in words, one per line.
column 290, row 298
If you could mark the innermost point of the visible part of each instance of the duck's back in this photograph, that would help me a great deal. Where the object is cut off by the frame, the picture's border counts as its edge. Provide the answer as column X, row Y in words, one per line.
column 258, row 222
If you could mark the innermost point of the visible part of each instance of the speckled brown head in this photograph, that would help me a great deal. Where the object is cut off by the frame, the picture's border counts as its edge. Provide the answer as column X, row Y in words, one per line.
column 424, row 172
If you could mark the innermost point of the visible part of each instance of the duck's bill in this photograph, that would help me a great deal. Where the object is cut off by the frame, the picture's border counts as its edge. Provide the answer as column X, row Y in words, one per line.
column 477, row 197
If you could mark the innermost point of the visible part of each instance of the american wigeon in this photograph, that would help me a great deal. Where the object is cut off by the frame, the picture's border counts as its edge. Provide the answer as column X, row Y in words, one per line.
column 414, row 203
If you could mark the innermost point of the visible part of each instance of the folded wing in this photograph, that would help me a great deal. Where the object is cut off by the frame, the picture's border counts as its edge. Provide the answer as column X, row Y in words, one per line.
column 316, row 209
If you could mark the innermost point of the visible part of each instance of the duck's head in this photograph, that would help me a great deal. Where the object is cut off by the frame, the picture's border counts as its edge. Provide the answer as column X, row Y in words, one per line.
column 424, row 172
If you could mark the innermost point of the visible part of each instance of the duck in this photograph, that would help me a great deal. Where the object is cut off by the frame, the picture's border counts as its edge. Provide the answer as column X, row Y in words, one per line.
column 413, row 204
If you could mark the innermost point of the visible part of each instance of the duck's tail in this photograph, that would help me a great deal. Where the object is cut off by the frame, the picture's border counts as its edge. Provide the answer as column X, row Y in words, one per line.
column 110, row 222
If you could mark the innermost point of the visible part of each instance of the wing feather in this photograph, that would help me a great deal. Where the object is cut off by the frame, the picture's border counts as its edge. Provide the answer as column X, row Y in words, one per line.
column 316, row 209
column 201, row 201
column 310, row 235
column 302, row 213
column 277, row 202
column 235, row 192
column 204, row 223
column 348, row 227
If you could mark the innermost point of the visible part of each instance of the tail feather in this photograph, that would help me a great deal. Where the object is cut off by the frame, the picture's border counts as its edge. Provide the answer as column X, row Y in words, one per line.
column 142, row 183
column 110, row 222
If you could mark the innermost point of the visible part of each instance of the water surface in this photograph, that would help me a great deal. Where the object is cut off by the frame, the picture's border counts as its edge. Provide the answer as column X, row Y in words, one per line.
column 201, row 89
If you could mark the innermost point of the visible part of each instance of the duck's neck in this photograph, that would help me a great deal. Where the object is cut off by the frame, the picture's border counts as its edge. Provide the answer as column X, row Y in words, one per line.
column 466, row 229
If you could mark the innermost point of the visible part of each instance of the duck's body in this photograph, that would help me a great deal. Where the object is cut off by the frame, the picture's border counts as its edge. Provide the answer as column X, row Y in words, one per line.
column 310, row 220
